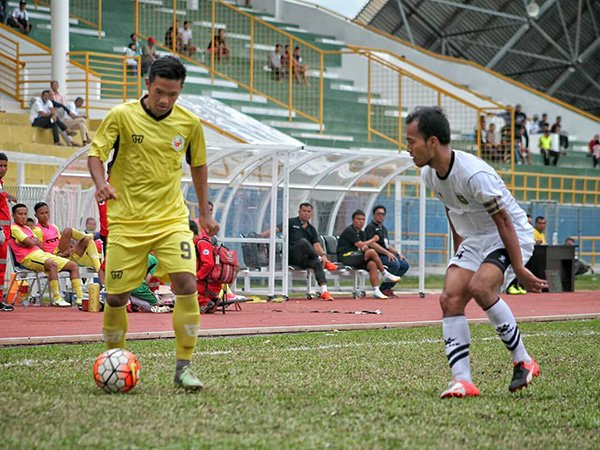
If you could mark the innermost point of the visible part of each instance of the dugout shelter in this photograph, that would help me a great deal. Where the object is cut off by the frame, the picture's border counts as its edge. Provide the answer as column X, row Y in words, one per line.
column 257, row 187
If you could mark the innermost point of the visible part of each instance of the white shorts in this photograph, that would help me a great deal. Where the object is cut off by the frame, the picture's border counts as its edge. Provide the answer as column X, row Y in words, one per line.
column 473, row 251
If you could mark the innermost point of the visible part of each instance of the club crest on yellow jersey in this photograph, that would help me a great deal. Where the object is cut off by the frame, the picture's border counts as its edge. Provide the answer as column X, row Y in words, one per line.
column 178, row 143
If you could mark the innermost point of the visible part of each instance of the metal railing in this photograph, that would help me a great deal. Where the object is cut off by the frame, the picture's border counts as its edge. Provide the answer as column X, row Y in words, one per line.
column 104, row 80
column 88, row 12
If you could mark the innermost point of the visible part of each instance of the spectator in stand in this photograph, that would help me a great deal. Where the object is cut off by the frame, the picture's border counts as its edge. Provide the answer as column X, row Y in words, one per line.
column 30, row 222
column 5, row 198
column 274, row 62
column 135, row 40
column 482, row 132
column 522, row 147
column 20, row 18
column 78, row 120
column 563, row 136
column 534, row 125
column 285, row 60
column 3, row 11
column 543, row 122
column 520, row 121
column 220, row 46
column 149, row 54
column 492, row 143
column 390, row 257
column 581, row 267
column 132, row 64
column 185, row 36
column 546, row 148
column 299, row 67
column 43, row 115
column 594, row 147
column 538, row 230
column 170, row 35
column 354, row 250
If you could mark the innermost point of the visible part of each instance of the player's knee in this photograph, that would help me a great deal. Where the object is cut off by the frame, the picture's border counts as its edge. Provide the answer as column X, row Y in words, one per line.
column 116, row 300
column 67, row 232
column 478, row 289
column 449, row 304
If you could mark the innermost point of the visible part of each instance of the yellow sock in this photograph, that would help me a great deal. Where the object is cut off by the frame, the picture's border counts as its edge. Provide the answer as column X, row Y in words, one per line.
column 186, row 323
column 115, row 326
column 92, row 252
column 76, row 283
column 54, row 289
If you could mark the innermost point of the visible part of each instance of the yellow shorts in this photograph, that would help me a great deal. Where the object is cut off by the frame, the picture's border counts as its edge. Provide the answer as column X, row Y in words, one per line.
column 127, row 258
column 83, row 260
column 36, row 259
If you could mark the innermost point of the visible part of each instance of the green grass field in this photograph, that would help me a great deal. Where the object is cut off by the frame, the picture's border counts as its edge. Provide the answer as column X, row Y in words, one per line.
column 358, row 390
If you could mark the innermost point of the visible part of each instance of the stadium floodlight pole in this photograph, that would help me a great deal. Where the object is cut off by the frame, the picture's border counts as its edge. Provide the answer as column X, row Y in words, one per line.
column 59, row 41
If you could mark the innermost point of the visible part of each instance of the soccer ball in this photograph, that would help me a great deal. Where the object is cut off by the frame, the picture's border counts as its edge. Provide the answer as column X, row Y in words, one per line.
column 117, row 370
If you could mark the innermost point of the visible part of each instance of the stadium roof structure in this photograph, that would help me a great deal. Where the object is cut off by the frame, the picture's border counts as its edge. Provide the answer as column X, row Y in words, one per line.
column 549, row 45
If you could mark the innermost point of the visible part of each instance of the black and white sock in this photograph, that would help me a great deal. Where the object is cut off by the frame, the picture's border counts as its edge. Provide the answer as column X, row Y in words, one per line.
column 503, row 321
column 457, row 339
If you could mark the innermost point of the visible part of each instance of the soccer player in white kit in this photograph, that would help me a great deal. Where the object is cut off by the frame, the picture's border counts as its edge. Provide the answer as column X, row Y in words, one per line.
column 491, row 233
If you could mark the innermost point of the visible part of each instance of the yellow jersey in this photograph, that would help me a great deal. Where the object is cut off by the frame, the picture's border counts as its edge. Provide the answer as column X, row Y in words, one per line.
column 538, row 236
column 545, row 142
column 145, row 169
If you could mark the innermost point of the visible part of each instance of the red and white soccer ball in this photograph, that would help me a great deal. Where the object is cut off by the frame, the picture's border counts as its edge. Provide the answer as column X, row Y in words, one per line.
column 117, row 370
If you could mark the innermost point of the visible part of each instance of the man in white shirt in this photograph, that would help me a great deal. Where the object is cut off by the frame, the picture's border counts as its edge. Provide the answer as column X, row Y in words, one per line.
column 20, row 18
column 492, row 238
column 274, row 62
column 185, row 35
column 76, row 119
column 43, row 115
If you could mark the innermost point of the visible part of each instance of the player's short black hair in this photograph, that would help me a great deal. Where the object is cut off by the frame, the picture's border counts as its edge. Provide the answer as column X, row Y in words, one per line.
column 167, row 67
column 431, row 122
column 194, row 227
column 302, row 205
column 538, row 218
column 358, row 212
column 39, row 205
column 379, row 207
column 17, row 206
column 3, row 156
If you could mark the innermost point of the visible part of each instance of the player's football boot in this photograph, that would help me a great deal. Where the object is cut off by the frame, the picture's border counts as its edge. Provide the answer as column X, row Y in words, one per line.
column 522, row 290
column 326, row 296
column 187, row 380
column 61, row 302
column 513, row 290
column 460, row 389
column 523, row 373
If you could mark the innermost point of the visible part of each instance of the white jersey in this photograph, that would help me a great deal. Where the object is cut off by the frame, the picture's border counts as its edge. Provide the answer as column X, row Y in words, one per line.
column 473, row 191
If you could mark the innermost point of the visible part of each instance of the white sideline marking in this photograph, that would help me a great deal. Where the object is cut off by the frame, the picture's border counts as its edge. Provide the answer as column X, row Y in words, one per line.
column 46, row 362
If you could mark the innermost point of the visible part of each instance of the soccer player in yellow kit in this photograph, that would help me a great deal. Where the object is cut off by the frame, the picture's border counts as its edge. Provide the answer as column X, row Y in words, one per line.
column 146, row 208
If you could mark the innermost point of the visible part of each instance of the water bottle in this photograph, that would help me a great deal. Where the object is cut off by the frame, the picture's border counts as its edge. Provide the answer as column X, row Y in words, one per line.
column 555, row 238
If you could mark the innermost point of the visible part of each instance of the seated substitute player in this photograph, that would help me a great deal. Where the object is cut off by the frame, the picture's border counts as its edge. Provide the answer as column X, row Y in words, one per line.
column 145, row 205
column 353, row 250
column 491, row 233
column 26, row 248
column 84, row 252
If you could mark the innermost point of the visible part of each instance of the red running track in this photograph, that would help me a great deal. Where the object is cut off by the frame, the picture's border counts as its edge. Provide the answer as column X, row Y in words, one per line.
column 39, row 325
